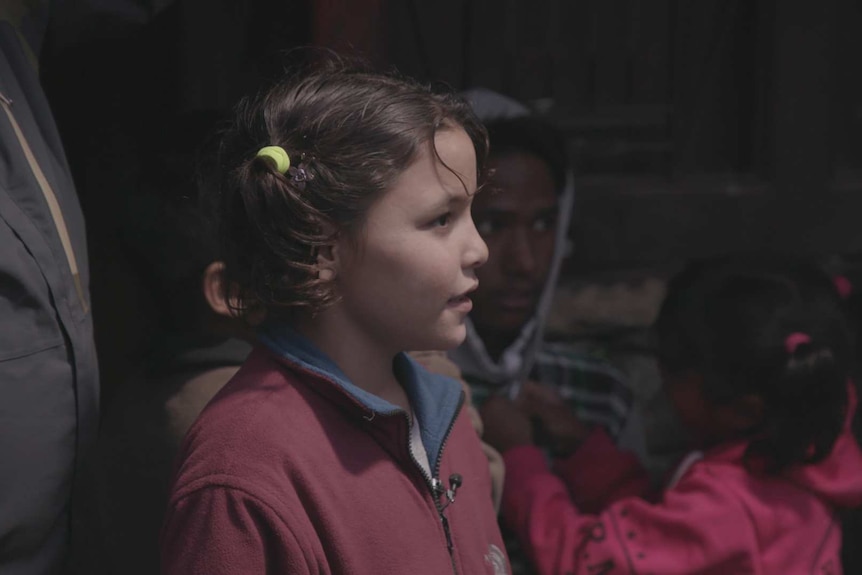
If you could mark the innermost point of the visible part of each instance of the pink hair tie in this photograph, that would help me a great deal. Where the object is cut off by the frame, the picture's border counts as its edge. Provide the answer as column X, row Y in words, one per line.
column 843, row 286
column 794, row 340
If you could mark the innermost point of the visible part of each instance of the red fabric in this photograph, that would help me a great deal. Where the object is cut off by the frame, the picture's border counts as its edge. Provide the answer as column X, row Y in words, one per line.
column 282, row 474
column 717, row 520
column 614, row 473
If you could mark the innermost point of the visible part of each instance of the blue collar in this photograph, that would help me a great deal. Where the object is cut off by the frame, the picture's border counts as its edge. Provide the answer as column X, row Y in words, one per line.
column 435, row 399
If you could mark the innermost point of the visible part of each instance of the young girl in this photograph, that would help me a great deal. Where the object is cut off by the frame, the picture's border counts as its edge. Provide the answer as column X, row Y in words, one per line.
column 345, row 206
column 756, row 360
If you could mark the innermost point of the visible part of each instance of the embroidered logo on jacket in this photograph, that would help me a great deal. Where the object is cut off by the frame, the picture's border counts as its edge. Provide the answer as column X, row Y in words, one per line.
column 497, row 560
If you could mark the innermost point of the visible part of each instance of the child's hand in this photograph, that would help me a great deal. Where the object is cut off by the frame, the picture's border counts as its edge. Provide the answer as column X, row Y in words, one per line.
column 558, row 428
column 505, row 425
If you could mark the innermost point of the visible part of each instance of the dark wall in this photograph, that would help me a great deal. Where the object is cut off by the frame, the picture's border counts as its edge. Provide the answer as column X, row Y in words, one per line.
column 695, row 127
column 123, row 84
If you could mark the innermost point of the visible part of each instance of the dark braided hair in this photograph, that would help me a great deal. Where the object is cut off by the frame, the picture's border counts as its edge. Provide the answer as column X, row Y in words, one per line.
column 728, row 319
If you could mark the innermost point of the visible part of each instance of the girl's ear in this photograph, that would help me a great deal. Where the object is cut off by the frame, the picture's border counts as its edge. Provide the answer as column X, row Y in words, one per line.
column 329, row 256
column 327, row 262
column 220, row 301
column 213, row 288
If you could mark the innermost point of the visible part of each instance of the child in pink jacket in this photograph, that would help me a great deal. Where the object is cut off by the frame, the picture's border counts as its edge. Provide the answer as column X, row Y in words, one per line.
column 756, row 358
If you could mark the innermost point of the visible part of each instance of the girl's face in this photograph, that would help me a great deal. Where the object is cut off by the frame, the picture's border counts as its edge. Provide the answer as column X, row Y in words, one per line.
column 405, row 281
column 685, row 391
column 709, row 422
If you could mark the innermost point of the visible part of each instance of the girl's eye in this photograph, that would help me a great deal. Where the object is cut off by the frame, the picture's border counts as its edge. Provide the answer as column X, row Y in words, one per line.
column 443, row 220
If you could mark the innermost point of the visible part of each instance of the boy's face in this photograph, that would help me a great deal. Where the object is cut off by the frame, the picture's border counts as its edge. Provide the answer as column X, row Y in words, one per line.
column 517, row 217
column 404, row 282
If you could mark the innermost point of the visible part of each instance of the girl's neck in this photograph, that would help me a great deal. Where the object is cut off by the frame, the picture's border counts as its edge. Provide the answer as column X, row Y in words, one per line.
column 366, row 362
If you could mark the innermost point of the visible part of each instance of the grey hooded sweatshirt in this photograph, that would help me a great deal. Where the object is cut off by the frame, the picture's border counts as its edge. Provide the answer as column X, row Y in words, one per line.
column 517, row 361
column 597, row 392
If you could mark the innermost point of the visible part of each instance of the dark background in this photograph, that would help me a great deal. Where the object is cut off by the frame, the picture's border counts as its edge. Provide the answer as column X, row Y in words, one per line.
column 695, row 128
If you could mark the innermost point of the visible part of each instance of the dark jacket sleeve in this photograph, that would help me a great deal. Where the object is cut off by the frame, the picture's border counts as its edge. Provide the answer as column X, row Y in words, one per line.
column 48, row 374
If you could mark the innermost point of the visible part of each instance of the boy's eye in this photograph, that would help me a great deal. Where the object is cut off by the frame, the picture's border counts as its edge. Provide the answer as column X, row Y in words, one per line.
column 543, row 224
column 485, row 227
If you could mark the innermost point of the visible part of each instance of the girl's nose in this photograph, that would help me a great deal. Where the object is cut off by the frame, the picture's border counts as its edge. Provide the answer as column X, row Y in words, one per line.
column 476, row 253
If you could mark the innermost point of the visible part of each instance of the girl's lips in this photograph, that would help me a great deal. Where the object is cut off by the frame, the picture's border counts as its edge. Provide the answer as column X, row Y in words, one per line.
column 461, row 303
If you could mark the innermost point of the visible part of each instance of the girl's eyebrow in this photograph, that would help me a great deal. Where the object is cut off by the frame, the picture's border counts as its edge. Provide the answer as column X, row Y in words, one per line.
column 453, row 198
column 440, row 205
column 461, row 198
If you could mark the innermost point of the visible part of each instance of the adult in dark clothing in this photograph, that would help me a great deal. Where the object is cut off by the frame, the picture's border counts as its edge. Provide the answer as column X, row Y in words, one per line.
column 48, row 375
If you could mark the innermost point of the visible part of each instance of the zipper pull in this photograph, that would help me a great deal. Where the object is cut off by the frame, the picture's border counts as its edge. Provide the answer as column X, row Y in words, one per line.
column 437, row 487
column 5, row 100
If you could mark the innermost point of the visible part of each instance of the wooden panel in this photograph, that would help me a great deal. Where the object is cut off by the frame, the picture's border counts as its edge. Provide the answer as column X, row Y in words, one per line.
column 611, row 41
column 489, row 53
column 802, row 83
column 705, row 95
column 623, row 221
column 847, row 120
column 349, row 26
column 629, row 222
column 574, row 79
column 674, row 94
column 534, row 59
column 650, row 41
column 752, row 61
column 426, row 39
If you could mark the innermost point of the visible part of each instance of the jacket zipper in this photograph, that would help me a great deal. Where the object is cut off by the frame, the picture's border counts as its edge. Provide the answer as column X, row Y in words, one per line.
column 434, row 483
column 50, row 199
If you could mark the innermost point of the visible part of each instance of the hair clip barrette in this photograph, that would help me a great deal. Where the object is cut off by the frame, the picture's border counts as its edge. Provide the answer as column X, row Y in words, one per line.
column 843, row 286
column 300, row 175
column 794, row 340
column 277, row 158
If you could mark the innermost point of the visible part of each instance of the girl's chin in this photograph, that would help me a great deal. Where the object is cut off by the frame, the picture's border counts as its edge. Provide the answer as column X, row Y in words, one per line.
column 451, row 339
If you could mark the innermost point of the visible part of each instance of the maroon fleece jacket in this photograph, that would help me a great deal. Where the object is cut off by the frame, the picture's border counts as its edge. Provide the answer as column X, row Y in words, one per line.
column 287, row 471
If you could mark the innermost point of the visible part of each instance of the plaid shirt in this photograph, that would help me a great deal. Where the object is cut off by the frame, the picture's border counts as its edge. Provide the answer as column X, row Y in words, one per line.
column 597, row 392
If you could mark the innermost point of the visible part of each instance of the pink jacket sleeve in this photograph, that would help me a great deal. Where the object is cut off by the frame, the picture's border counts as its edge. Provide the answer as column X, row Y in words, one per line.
column 221, row 531
column 698, row 528
column 599, row 473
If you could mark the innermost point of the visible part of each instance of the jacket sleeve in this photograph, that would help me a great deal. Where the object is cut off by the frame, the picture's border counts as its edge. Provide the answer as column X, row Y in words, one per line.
column 600, row 473
column 698, row 528
column 222, row 531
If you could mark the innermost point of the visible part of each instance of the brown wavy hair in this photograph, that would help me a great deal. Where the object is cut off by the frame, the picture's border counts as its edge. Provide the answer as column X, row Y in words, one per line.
column 355, row 131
